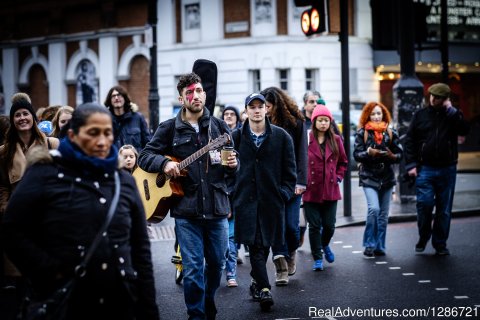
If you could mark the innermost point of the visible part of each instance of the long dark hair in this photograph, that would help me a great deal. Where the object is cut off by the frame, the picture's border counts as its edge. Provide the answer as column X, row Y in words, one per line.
column 127, row 106
column 285, row 111
column 329, row 137
column 12, row 138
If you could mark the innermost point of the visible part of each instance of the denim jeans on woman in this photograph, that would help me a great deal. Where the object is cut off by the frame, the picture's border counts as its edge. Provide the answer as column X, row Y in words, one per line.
column 435, row 187
column 378, row 203
column 201, row 239
column 292, row 228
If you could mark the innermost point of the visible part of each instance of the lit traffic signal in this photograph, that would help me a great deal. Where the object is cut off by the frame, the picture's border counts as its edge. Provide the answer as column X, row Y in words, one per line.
column 313, row 20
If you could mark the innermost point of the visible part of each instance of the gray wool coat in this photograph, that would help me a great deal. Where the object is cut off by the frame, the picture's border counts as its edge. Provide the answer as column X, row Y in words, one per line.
column 265, row 181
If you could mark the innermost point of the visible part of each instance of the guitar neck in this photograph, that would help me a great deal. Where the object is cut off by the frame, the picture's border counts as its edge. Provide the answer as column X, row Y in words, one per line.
column 188, row 161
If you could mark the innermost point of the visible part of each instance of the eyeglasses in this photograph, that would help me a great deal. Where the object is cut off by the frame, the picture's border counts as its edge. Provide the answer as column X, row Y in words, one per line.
column 437, row 97
column 116, row 95
column 312, row 101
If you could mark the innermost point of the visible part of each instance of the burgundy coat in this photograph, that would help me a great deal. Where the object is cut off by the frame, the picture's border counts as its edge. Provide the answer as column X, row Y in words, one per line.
column 325, row 172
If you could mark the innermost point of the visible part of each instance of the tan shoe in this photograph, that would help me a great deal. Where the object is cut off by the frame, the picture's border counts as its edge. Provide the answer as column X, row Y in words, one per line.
column 281, row 270
column 292, row 264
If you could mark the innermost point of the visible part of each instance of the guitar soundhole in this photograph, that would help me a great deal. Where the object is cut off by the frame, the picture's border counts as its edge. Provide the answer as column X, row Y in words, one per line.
column 147, row 191
column 161, row 179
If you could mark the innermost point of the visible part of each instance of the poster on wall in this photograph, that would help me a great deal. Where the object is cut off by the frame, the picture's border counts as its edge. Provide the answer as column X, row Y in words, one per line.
column 192, row 16
column 87, row 83
column 263, row 11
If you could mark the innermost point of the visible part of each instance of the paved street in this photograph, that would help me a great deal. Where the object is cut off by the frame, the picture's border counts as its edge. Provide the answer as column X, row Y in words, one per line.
column 402, row 280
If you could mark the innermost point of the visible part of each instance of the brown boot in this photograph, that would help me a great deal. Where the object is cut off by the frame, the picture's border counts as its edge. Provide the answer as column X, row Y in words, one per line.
column 292, row 264
column 281, row 270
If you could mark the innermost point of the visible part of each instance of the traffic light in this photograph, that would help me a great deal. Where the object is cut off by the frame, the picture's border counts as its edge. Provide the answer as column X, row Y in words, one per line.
column 313, row 20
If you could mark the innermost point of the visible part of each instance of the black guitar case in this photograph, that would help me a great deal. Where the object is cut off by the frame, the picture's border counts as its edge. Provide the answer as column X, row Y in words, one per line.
column 207, row 71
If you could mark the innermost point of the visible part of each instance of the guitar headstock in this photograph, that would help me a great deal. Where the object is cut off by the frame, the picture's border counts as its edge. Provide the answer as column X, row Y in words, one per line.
column 220, row 141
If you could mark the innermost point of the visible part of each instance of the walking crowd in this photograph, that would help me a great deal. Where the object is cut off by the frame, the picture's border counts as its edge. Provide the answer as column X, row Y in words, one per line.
column 73, row 227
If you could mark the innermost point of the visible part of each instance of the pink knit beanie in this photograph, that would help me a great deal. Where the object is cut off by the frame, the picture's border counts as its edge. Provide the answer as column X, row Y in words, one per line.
column 321, row 110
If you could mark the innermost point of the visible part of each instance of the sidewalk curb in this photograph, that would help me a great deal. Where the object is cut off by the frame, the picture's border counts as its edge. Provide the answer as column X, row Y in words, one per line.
column 343, row 222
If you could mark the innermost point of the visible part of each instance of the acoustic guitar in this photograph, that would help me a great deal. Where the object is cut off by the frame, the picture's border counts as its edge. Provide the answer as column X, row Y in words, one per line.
column 159, row 191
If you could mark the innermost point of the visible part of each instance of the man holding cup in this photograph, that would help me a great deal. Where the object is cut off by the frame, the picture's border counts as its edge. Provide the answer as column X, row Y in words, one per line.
column 201, row 214
column 264, row 183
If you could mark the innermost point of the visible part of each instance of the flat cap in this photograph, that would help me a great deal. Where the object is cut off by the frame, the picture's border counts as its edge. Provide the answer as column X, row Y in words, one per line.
column 440, row 90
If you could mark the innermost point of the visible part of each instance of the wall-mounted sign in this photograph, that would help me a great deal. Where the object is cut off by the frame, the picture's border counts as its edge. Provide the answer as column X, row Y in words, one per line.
column 239, row 26
column 463, row 18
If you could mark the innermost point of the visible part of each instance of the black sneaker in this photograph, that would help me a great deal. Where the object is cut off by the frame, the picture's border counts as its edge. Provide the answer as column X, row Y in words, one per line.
column 266, row 299
column 420, row 246
column 368, row 252
column 442, row 252
column 379, row 253
column 254, row 292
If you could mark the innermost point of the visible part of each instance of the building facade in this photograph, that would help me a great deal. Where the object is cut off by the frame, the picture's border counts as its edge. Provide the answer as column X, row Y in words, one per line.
column 73, row 53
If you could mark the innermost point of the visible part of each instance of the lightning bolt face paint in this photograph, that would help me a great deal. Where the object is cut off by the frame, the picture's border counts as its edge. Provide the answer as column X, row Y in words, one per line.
column 190, row 93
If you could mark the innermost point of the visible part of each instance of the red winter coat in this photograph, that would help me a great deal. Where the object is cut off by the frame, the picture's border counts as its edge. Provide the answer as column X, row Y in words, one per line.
column 325, row 172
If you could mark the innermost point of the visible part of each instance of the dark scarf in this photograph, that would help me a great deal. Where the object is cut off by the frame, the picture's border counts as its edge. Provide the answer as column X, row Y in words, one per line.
column 75, row 157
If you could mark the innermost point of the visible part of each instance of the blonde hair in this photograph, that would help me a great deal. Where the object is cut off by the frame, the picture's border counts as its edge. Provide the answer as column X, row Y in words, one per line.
column 56, row 118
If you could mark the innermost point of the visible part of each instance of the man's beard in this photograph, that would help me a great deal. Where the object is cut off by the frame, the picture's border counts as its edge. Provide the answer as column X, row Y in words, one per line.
column 195, row 109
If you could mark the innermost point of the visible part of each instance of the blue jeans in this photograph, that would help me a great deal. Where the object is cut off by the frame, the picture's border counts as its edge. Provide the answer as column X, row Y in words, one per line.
column 231, row 265
column 199, row 240
column 292, row 228
column 378, row 203
column 435, row 188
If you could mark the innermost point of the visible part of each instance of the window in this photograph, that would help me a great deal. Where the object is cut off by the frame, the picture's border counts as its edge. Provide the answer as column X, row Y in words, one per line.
column 255, row 80
column 283, row 79
column 310, row 79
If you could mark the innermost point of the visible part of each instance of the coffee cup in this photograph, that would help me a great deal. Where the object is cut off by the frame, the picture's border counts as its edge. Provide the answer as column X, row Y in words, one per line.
column 225, row 153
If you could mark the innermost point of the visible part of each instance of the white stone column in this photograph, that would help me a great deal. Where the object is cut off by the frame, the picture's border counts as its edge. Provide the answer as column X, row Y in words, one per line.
column 166, row 23
column 9, row 75
column 57, row 65
column 108, row 64
column 212, row 20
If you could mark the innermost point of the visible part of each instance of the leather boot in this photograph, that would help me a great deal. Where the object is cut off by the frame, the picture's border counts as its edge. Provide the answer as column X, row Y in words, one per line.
column 292, row 263
column 281, row 270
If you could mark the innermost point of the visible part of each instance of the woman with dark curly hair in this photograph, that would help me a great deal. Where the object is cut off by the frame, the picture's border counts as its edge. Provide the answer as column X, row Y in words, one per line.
column 284, row 112
column 377, row 147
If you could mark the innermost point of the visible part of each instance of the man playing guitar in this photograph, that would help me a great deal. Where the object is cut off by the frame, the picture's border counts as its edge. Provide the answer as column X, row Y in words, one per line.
column 201, row 214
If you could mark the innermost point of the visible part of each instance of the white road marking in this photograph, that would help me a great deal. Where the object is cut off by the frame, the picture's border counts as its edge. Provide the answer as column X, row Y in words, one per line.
column 394, row 268
column 424, row 281
column 406, row 274
column 441, row 289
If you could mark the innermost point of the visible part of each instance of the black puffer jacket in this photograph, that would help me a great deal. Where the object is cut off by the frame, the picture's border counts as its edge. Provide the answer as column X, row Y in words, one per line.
column 54, row 215
column 376, row 172
column 204, row 186
column 432, row 137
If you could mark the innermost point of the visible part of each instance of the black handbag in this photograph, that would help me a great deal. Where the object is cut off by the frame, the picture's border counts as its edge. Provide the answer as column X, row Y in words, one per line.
column 55, row 306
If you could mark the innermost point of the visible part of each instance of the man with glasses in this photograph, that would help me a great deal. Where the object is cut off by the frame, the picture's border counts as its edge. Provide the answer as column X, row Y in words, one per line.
column 431, row 154
column 129, row 126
